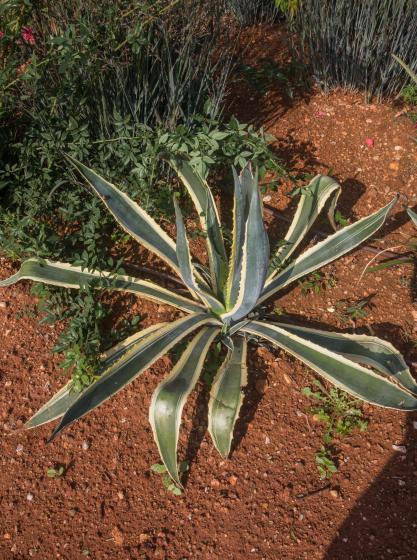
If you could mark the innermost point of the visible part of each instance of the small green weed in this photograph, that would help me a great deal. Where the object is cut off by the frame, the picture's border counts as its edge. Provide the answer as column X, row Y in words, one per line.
column 159, row 468
column 409, row 94
column 56, row 472
column 340, row 219
column 348, row 312
column 299, row 191
column 316, row 282
column 325, row 464
column 278, row 311
column 341, row 414
column 26, row 311
column 268, row 74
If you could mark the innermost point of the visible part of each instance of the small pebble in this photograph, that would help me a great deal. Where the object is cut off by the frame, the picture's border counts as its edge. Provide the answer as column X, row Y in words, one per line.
column 415, row 424
column 401, row 483
column 287, row 379
column 85, row 445
column 334, row 493
column 267, row 440
column 400, row 448
column 29, row 496
column 397, row 148
column 267, row 198
column 19, row 449
column 117, row 536
column 144, row 537
column 3, row 305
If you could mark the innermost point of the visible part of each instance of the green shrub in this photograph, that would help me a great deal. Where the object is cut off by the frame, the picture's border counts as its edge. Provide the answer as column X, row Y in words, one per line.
column 117, row 85
column 349, row 44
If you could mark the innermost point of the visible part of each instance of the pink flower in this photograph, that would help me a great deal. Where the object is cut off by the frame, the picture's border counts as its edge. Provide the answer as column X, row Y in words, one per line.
column 28, row 36
column 369, row 142
column 1, row 34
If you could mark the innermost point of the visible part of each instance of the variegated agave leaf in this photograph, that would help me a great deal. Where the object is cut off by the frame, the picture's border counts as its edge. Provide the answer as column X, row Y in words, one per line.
column 226, row 396
column 131, row 216
column 187, row 269
column 328, row 250
column 203, row 200
column 58, row 405
column 311, row 203
column 412, row 215
column 69, row 276
column 134, row 362
column 254, row 258
column 346, row 374
column 170, row 396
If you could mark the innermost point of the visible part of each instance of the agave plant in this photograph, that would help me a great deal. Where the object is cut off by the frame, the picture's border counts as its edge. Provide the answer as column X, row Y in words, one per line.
column 226, row 303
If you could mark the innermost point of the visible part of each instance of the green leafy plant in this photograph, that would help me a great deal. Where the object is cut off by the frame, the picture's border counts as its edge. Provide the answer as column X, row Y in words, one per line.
column 325, row 464
column 287, row 7
column 268, row 73
column 316, row 282
column 409, row 91
column 160, row 468
column 352, row 311
column 142, row 79
column 341, row 414
column 225, row 303
column 56, row 472
column 409, row 94
column 340, row 219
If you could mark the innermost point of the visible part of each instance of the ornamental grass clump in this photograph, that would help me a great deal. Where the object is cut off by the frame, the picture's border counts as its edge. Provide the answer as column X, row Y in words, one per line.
column 226, row 303
column 349, row 44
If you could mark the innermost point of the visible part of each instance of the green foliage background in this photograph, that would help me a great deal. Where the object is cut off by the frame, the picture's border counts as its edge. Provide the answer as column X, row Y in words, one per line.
column 117, row 85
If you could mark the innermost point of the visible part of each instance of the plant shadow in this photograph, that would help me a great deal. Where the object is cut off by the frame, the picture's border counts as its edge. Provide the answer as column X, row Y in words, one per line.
column 381, row 522
column 254, row 391
column 379, row 525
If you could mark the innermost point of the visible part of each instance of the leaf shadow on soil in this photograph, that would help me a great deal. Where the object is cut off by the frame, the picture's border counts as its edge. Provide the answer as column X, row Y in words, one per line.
column 269, row 79
column 253, row 395
column 379, row 525
column 257, row 381
column 198, row 428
